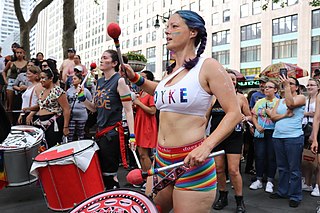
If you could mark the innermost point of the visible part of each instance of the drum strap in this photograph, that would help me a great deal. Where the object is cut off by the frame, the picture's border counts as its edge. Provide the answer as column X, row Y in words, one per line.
column 170, row 178
column 118, row 125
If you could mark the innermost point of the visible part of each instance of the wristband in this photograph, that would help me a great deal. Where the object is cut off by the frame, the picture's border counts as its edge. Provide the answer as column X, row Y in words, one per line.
column 132, row 138
column 137, row 80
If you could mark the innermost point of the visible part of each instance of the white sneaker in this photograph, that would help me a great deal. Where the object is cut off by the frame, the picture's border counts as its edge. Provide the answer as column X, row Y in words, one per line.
column 315, row 191
column 306, row 188
column 256, row 185
column 269, row 187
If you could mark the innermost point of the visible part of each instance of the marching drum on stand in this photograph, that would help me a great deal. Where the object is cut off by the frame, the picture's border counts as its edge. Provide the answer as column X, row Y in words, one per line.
column 69, row 173
column 16, row 154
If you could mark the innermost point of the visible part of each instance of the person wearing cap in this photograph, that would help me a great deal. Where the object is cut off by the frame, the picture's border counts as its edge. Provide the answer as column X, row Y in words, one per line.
column 77, row 62
column 67, row 68
column 260, row 93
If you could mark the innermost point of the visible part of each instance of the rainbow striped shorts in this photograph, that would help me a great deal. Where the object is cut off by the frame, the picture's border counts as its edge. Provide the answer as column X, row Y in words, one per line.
column 199, row 178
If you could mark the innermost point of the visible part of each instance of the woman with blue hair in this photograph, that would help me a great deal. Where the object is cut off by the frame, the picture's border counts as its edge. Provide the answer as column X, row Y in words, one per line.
column 183, row 98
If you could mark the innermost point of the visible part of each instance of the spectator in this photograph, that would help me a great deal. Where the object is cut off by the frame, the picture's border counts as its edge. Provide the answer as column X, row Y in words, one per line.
column 260, row 93
column 31, row 94
column 15, row 67
column 54, row 110
column 79, row 113
column 232, row 146
column 77, row 63
column 40, row 57
column 145, row 124
column 288, row 141
column 310, row 108
column 67, row 68
column 263, row 144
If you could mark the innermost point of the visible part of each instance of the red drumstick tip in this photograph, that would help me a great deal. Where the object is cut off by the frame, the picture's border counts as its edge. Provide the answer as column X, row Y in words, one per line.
column 135, row 177
column 114, row 30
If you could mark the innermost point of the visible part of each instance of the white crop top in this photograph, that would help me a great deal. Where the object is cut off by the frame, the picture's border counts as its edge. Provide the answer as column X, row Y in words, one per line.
column 186, row 96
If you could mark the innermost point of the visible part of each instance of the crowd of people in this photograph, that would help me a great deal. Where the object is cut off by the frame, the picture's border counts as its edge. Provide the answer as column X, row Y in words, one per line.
column 196, row 94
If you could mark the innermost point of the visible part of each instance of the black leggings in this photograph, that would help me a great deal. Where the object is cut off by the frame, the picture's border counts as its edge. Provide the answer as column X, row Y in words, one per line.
column 51, row 136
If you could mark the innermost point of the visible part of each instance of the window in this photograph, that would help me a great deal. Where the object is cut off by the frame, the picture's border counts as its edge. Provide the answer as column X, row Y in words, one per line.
column 215, row 18
column 220, row 38
column 135, row 28
column 316, row 19
column 140, row 40
column 256, row 7
column 285, row 25
column 148, row 22
column 140, row 25
column 283, row 3
column 252, row 31
column 151, row 52
column 201, row 6
column 193, row 6
column 148, row 37
column 135, row 40
column 226, row 15
column 244, row 10
column 284, row 49
column 315, row 45
column 164, row 50
column 154, row 35
column 222, row 56
column 249, row 54
column 151, row 66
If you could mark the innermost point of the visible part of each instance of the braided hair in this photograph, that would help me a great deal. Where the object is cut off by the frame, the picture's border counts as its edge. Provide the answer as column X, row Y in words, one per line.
column 195, row 22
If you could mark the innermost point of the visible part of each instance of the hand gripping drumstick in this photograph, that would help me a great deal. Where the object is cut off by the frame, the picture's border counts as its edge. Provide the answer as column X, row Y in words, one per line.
column 137, row 176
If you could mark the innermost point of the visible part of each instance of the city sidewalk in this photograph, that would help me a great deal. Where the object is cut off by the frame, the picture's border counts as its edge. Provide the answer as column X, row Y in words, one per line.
column 30, row 199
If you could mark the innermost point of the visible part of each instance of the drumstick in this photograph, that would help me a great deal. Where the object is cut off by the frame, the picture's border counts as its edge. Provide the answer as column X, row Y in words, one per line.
column 137, row 176
column 136, row 158
column 18, row 111
column 114, row 32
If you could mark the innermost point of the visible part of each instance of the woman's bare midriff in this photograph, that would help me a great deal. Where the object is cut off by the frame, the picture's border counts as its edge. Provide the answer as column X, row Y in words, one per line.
column 43, row 112
column 178, row 130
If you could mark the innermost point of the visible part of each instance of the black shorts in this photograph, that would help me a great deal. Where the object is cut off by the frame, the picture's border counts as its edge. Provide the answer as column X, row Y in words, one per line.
column 232, row 144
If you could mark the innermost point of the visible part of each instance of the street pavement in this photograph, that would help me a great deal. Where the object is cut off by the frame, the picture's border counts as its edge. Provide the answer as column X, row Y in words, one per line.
column 30, row 198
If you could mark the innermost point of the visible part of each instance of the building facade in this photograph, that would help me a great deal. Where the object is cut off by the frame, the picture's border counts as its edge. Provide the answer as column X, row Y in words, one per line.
column 9, row 25
column 241, row 35
column 90, row 35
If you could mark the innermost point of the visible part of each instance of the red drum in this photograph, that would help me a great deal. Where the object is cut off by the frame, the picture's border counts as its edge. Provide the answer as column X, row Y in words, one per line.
column 69, row 173
column 16, row 154
column 117, row 200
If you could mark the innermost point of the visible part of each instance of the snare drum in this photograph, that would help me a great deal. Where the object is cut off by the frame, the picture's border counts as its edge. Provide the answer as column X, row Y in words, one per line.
column 69, row 173
column 117, row 200
column 17, row 152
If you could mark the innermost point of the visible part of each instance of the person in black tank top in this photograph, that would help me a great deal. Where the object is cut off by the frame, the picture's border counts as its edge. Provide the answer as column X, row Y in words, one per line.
column 111, row 97
column 232, row 146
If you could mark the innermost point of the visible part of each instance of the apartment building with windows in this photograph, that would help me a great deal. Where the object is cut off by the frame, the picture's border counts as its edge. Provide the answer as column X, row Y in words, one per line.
column 90, row 35
column 241, row 35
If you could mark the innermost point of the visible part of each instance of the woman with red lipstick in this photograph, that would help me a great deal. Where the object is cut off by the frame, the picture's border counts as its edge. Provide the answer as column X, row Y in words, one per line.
column 183, row 98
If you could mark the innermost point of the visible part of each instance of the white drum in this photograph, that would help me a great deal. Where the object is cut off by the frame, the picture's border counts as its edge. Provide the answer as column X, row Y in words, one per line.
column 17, row 153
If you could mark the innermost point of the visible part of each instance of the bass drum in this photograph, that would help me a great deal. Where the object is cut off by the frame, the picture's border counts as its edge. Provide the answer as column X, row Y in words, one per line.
column 117, row 200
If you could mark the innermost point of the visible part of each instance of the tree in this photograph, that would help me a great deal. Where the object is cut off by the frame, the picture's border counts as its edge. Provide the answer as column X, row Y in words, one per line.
column 69, row 26
column 26, row 26
column 313, row 3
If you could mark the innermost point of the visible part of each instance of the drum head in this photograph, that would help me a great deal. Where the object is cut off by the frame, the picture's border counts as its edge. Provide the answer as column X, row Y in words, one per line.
column 22, row 137
column 117, row 200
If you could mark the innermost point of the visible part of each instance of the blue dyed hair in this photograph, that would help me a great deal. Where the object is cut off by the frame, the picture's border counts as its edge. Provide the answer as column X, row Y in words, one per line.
column 195, row 22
